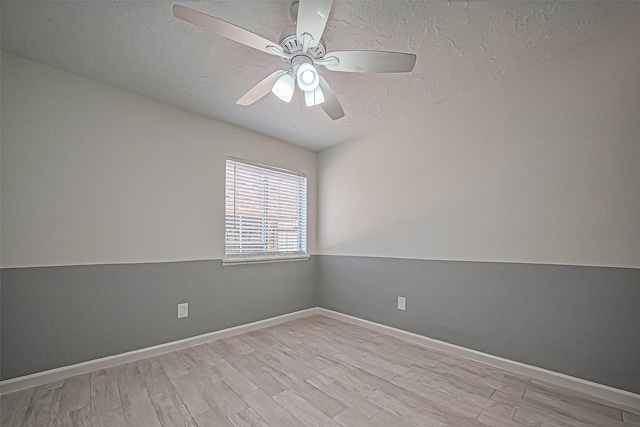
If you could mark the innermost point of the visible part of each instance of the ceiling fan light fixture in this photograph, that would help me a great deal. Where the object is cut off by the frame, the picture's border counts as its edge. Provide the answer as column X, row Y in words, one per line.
column 302, row 47
column 314, row 97
column 284, row 87
column 308, row 78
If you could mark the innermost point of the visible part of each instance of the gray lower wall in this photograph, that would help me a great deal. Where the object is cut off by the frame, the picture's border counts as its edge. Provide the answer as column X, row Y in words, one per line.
column 57, row 316
column 580, row 321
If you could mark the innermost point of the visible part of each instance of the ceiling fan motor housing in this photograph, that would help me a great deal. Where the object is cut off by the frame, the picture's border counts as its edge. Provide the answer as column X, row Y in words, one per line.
column 292, row 46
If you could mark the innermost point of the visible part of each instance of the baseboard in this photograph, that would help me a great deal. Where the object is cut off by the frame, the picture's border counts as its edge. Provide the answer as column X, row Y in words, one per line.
column 621, row 397
column 45, row 377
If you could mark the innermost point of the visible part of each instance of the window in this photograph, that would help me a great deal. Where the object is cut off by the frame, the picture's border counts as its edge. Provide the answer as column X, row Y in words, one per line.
column 266, row 213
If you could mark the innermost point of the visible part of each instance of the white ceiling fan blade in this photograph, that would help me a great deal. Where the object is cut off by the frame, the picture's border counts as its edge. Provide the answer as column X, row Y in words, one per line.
column 260, row 89
column 312, row 18
column 331, row 105
column 371, row 61
column 224, row 29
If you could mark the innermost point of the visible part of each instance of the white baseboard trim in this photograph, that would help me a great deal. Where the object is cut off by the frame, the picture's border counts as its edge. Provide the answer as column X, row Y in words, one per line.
column 621, row 397
column 45, row 377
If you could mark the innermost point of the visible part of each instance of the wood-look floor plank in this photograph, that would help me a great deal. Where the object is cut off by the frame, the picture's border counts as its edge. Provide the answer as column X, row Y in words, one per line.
column 469, row 375
column 226, row 350
column 80, row 417
column 321, row 347
column 351, row 344
column 451, row 410
column 284, row 362
column 204, row 353
column 415, row 416
column 194, row 397
column 303, row 410
column 114, row 418
column 473, row 366
column 239, row 346
column 352, row 384
column 376, row 360
column 347, row 328
column 354, row 374
column 468, row 401
column 269, row 410
column 447, row 382
column 105, row 395
column 323, row 371
column 258, row 376
column 257, row 339
column 573, row 398
column 529, row 413
column 225, row 398
column 248, row 418
column 325, row 403
column 494, row 420
column 593, row 402
column 40, row 408
column 54, row 410
column 344, row 346
column 139, row 411
column 282, row 337
column 234, row 379
column 173, row 365
column 415, row 352
column 293, row 329
column 13, row 407
column 204, row 371
column 190, row 359
column 366, row 366
column 155, row 379
column 170, row 410
column 512, row 390
column 573, row 411
column 130, row 382
column 348, row 398
column 277, row 369
column 311, row 359
column 394, row 356
column 212, row 418
column 631, row 418
column 535, row 418
column 349, row 418
column 76, row 394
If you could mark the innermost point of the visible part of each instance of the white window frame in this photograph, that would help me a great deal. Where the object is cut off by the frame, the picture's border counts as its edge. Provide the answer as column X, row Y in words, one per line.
column 259, row 257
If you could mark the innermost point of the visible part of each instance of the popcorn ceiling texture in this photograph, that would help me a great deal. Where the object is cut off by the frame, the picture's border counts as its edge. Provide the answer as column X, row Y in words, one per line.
column 142, row 48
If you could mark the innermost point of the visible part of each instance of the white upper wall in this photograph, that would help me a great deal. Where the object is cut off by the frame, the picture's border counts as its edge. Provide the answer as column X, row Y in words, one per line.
column 540, row 167
column 92, row 174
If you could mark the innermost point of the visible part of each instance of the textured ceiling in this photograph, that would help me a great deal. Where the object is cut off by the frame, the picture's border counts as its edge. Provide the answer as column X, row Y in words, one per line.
column 140, row 47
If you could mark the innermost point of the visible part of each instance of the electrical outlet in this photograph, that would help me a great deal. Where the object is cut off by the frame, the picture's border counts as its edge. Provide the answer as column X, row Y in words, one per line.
column 183, row 310
column 402, row 303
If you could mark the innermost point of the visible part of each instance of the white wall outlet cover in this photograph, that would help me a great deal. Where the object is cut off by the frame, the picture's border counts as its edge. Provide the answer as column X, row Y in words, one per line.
column 183, row 310
column 402, row 303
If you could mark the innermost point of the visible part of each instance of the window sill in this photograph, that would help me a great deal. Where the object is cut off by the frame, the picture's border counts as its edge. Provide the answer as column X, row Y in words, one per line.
column 263, row 260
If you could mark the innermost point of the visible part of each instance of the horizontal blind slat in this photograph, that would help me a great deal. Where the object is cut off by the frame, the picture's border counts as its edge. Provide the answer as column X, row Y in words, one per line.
column 265, row 211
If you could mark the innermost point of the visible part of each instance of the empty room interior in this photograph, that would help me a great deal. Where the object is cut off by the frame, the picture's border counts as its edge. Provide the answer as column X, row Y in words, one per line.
column 320, row 213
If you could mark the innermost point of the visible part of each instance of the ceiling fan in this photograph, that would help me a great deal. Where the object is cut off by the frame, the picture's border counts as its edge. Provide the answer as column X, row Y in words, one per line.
column 303, row 49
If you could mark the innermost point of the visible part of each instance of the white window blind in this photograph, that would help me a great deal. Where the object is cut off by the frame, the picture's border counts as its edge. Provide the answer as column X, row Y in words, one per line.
column 266, row 213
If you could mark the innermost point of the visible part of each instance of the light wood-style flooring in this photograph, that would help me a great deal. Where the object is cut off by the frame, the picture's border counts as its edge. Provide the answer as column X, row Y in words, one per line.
column 314, row 371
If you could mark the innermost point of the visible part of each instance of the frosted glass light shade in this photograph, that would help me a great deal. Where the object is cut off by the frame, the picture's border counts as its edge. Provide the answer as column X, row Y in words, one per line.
column 284, row 87
column 314, row 97
column 308, row 78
